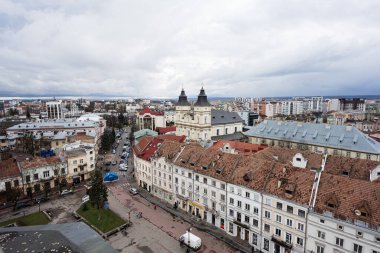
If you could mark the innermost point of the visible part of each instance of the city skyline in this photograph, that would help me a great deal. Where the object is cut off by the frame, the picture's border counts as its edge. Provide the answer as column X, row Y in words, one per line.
column 265, row 49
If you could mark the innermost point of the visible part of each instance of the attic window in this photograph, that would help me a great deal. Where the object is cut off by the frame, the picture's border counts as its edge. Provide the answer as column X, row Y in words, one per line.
column 204, row 167
column 332, row 201
column 289, row 190
column 219, row 171
column 183, row 161
column 222, row 116
column 298, row 159
column 345, row 173
column 247, row 178
column 192, row 164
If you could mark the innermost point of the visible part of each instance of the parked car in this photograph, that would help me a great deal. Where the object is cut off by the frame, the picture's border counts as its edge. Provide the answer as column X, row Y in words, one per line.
column 40, row 199
column 22, row 205
column 123, row 167
column 114, row 162
column 133, row 191
column 107, row 169
column 66, row 191
column 113, row 151
column 108, row 163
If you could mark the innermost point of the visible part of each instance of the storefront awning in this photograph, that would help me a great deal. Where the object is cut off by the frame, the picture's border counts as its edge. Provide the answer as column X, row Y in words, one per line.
column 193, row 203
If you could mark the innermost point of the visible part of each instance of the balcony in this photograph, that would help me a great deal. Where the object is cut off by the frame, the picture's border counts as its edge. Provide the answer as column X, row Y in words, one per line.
column 281, row 242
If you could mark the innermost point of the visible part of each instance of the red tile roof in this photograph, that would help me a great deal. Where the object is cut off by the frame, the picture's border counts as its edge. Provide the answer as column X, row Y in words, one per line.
column 241, row 147
column 38, row 162
column 164, row 130
column 9, row 168
column 350, row 167
column 148, row 145
column 147, row 110
column 342, row 196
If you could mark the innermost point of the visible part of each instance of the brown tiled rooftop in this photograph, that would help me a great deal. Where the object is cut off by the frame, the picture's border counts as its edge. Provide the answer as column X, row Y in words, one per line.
column 38, row 162
column 342, row 196
column 350, row 167
column 285, row 156
column 241, row 147
column 9, row 168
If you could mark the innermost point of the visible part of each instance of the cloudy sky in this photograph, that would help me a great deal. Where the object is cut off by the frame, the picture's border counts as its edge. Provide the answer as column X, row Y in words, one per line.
column 153, row 48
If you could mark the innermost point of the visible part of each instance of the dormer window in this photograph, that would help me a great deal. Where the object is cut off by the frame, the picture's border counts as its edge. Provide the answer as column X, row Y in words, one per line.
column 345, row 173
column 332, row 201
column 183, row 161
column 204, row 167
column 298, row 159
column 192, row 164
column 247, row 178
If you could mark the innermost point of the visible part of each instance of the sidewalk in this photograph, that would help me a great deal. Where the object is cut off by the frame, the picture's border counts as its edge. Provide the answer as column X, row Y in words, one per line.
column 214, row 231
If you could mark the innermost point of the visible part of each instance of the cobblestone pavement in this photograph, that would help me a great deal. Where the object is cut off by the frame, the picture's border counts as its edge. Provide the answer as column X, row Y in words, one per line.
column 157, row 230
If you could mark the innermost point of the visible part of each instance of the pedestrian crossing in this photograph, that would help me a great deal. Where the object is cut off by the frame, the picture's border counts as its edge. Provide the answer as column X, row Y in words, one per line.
column 122, row 186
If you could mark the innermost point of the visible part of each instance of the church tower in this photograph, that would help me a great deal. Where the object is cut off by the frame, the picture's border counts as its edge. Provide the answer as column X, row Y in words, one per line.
column 202, row 116
column 193, row 121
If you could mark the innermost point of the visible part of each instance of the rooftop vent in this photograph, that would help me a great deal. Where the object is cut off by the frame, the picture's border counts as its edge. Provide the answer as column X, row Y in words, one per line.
column 341, row 138
column 355, row 139
column 286, row 131
column 328, row 136
column 304, row 134
column 276, row 131
column 315, row 134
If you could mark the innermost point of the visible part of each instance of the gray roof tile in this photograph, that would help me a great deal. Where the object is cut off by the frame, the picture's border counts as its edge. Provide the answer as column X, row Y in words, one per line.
column 334, row 136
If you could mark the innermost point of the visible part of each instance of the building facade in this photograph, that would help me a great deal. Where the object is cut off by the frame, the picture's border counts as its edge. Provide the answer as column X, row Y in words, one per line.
column 201, row 122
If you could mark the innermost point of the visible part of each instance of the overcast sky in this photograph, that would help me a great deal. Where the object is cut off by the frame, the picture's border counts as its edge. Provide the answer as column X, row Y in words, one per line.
column 153, row 48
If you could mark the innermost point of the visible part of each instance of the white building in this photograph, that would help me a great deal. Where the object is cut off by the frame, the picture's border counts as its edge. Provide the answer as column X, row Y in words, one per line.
column 200, row 122
column 54, row 109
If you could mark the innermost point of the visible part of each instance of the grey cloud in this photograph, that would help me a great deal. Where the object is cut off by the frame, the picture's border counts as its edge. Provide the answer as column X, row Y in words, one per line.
column 149, row 48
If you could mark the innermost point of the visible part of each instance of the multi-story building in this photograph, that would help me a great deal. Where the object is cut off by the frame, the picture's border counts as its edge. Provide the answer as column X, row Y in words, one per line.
column 292, row 107
column 10, row 177
column 142, row 156
column 42, row 173
column 277, row 199
column 148, row 119
column 80, row 160
column 250, row 118
column 54, row 109
column 324, row 138
column 200, row 122
column 345, row 217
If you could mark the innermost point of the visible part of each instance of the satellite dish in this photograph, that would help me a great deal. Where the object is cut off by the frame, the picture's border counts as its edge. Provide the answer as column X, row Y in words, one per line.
column 357, row 212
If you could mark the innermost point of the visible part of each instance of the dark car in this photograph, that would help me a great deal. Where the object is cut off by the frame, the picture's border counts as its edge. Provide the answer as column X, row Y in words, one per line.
column 107, row 163
column 41, row 199
column 22, row 205
column 107, row 169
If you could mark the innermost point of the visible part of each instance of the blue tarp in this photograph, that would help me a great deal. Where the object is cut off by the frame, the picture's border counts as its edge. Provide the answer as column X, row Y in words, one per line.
column 110, row 176
column 47, row 153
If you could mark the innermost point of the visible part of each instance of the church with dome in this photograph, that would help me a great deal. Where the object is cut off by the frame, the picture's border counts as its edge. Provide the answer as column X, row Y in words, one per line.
column 200, row 122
